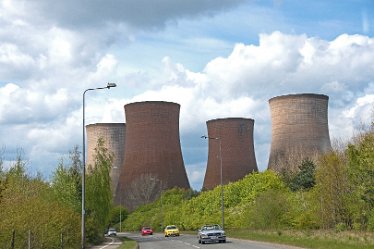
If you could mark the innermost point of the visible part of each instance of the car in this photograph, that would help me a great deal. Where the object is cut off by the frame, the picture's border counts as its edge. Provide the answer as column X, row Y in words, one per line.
column 211, row 233
column 146, row 231
column 111, row 232
column 171, row 230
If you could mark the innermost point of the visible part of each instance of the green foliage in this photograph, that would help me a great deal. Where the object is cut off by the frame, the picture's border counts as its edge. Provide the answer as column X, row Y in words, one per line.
column 270, row 210
column 98, row 194
column 116, row 214
column 361, row 174
column 332, row 190
column 304, row 179
column 189, row 212
column 65, row 187
column 29, row 205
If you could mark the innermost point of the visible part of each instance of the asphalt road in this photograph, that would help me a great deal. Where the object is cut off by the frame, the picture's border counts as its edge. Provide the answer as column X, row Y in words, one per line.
column 186, row 241
column 110, row 243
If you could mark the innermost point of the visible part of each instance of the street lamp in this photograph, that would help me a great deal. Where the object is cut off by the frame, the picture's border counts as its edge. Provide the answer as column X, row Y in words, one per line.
column 109, row 85
column 220, row 158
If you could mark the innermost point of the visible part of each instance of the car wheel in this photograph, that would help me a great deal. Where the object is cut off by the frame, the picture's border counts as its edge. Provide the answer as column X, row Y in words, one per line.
column 202, row 242
column 199, row 241
column 223, row 241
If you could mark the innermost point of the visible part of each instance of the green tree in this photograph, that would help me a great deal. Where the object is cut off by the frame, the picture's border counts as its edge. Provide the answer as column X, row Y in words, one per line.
column 29, row 205
column 303, row 179
column 270, row 210
column 332, row 190
column 66, row 182
column 117, row 214
column 361, row 172
column 98, row 193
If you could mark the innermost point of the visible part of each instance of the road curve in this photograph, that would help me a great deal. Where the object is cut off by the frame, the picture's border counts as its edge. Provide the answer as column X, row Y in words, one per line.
column 110, row 243
column 186, row 241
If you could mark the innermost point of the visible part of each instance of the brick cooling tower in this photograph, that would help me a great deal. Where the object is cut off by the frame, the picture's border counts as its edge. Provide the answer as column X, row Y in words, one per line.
column 237, row 151
column 113, row 135
column 153, row 160
column 299, row 129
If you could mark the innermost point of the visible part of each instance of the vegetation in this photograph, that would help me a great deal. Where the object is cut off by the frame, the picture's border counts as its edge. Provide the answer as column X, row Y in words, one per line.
column 333, row 193
column 325, row 203
column 318, row 239
column 50, row 212
column 128, row 243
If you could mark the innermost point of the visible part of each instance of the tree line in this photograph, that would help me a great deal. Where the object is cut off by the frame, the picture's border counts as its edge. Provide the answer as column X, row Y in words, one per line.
column 333, row 191
column 42, row 211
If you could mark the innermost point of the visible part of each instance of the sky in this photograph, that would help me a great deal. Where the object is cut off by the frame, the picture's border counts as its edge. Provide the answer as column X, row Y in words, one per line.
column 216, row 58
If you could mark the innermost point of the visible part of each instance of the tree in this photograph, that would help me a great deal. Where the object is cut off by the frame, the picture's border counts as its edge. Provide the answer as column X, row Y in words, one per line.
column 98, row 193
column 361, row 173
column 142, row 190
column 66, row 182
column 29, row 205
column 304, row 179
column 332, row 189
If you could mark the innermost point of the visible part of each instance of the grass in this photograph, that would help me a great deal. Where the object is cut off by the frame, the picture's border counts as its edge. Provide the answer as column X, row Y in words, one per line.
column 127, row 243
column 309, row 239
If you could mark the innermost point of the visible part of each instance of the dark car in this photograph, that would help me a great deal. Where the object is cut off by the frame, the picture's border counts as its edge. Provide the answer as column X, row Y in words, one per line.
column 211, row 233
column 146, row 231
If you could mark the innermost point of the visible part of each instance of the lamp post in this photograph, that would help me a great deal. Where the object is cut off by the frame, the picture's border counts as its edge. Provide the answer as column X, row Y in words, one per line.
column 83, row 230
column 221, row 178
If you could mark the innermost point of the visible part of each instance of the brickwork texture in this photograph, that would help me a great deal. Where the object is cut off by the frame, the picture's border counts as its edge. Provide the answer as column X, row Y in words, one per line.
column 299, row 127
column 237, row 150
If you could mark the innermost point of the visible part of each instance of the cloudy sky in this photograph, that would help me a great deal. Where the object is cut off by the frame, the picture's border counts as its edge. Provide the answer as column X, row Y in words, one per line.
column 216, row 58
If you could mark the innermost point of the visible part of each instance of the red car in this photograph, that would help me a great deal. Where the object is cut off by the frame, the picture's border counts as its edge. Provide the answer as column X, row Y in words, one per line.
column 147, row 231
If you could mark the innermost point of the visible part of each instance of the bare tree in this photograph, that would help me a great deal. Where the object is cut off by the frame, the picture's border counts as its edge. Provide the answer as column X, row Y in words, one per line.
column 143, row 190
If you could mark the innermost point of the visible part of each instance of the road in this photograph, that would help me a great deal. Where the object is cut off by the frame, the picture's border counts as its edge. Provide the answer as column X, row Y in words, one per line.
column 186, row 241
column 110, row 243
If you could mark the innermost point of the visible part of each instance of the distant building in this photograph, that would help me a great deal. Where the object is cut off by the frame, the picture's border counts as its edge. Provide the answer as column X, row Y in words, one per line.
column 113, row 135
column 153, row 152
column 231, row 138
column 299, row 128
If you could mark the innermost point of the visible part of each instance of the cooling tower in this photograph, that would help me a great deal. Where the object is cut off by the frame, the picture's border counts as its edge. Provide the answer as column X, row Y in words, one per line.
column 153, row 160
column 113, row 135
column 299, row 129
column 232, row 138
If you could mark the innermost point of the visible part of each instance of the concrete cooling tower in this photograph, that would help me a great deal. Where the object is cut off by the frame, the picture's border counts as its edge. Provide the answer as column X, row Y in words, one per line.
column 113, row 135
column 233, row 139
column 153, row 159
column 299, row 129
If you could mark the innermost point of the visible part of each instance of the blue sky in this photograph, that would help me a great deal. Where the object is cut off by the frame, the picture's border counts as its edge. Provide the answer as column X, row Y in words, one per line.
column 222, row 58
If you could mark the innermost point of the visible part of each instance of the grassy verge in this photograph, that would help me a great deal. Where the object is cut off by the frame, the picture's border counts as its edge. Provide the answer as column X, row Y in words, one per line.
column 127, row 243
column 310, row 239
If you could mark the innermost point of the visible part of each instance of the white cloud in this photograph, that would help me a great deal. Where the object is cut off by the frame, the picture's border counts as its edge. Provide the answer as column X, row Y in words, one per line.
column 51, row 53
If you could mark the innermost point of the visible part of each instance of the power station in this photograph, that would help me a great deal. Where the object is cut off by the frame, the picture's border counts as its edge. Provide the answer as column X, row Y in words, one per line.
column 148, row 156
column 153, row 160
column 231, row 151
column 113, row 135
column 299, row 128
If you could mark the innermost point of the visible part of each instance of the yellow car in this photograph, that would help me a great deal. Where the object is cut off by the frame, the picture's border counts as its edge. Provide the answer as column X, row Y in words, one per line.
column 171, row 230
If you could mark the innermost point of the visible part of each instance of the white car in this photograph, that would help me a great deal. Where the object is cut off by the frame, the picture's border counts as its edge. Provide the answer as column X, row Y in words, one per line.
column 211, row 233
column 111, row 232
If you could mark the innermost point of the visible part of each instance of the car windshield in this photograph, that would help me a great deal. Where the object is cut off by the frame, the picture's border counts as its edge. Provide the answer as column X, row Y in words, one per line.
column 171, row 227
column 146, row 228
column 211, row 227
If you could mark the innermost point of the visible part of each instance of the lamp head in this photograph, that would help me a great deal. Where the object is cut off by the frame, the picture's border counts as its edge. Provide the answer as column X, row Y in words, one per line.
column 203, row 136
column 109, row 85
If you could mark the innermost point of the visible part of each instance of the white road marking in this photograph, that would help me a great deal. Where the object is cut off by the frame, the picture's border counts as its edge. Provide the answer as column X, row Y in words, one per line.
column 111, row 243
